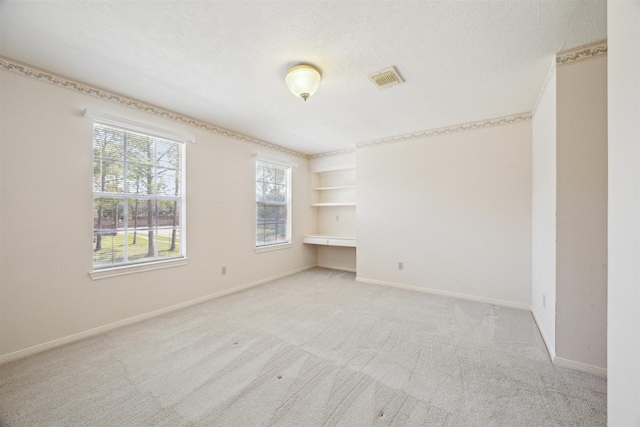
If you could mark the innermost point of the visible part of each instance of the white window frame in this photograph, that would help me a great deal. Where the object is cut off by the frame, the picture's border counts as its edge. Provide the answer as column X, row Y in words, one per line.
column 266, row 247
column 100, row 272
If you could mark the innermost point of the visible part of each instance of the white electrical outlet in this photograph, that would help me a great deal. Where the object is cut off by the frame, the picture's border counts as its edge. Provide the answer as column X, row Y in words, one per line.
column 223, row 271
column 401, row 266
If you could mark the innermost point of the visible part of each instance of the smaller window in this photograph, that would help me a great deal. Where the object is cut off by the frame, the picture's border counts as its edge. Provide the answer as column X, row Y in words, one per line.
column 273, row 203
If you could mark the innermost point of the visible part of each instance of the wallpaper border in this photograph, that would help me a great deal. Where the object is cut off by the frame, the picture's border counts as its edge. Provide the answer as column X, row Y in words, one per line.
column 581, row 53
column 482, row 124
column 333, row 153
column 45, row 76
column 26, row 70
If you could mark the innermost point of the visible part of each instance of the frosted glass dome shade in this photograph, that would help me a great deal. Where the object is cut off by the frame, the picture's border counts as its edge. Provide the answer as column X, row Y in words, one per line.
column 303, row 80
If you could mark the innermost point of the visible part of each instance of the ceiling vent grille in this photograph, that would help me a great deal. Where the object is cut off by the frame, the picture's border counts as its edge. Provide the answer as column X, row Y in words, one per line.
column 386, row 78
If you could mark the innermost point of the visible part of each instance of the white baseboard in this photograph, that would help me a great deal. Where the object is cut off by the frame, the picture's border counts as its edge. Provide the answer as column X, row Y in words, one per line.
column 551, row 348
column 492, row 301
column 583, row 367
column 336, row 267
column 105, row 328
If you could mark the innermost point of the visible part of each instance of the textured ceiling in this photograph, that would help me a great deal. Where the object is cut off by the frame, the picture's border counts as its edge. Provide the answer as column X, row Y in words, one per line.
column 224, row 62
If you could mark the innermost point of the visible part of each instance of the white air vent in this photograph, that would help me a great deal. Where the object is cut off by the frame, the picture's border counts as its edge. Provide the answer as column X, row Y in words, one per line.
column 385, row 78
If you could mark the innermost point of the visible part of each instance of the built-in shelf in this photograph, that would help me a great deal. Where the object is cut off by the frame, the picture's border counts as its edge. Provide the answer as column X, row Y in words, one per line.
column 330, row 240
column 343, row 187
column 333, row 168
column 335, row 243
column 334, row 204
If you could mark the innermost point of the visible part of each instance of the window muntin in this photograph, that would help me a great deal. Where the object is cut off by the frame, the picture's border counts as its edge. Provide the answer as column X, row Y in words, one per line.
column 137, row 197
column 273, row 203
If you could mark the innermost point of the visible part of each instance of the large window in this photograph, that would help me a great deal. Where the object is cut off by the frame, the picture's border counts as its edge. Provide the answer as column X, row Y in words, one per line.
column 273, row 203
column 137, row 197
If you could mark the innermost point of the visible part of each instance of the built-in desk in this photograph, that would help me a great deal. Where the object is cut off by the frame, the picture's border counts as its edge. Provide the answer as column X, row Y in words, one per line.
column 330, row 240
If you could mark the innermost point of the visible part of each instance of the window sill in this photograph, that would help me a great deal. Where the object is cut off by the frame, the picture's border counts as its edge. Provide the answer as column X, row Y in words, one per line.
column 276, row 247
column 138, row 268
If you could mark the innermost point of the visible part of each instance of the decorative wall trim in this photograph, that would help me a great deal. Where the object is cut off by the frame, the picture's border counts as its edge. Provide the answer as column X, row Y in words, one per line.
column 499, row 121
column 578, row 366
column 493, row 301
column 45, row 76
column 135, row 319
column 26, row 70
column 332, row 153
column 580, row 53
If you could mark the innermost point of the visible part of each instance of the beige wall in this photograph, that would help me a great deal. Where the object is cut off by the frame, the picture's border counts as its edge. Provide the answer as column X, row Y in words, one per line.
column 455, row 209
column 623, row 379
column 543, row 212
column 581, row 225
column 46, row 224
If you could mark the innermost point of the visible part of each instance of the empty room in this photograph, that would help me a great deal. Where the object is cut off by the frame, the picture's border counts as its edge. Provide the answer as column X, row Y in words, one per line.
column 320, row 213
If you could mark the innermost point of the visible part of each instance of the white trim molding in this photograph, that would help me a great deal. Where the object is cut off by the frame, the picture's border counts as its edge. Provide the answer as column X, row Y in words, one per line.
column 274, row 160
column 550, row 76
column 276, row 247
column 578, row 366
column 468, row 297
column 551, row 349
column 137, row 126
column 336, row 267
column 29, row 351
column 137, row 268
column 580, row 53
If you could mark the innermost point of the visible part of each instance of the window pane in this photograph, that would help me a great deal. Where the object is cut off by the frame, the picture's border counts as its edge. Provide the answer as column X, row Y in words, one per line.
column 141, row 213
column 107, row 176
column 281, row 193
column 168, row 242
column 269, row 232
column 108, row 236
column 266, row 213
column 167, row 154
column 259, row 234
column 139, row 247
column 140, row 149
column 271, row 203
column 108, row 214
column 259, row 171
column 269, row 173
column 140, row 179
column 108, row 143
column 108, row 248
column 138, row 213
column 168, row 182
column 270, row 192
column 167, row 213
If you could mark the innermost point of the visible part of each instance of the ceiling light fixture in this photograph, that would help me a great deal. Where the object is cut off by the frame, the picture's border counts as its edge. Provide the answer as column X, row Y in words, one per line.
column 303, row 80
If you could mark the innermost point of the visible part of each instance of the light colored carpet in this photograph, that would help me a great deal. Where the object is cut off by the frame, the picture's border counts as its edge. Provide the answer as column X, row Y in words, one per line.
column 313, row 349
